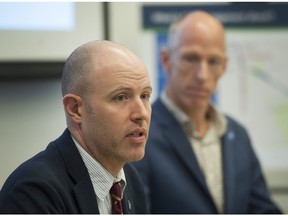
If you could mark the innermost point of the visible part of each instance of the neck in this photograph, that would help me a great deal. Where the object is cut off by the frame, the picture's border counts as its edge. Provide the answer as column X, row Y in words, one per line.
column 113, row 167
column 200, row 121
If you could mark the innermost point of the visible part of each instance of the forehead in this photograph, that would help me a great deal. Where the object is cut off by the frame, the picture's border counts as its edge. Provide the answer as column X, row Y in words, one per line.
column 201, row 35
column 119, row 74
column 113, row 66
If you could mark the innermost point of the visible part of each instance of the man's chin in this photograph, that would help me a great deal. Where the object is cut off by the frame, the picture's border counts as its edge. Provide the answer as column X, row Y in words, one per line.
column 137, row 156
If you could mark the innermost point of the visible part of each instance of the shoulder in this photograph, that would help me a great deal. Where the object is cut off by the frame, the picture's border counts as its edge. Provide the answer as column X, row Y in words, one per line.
column 131, row 173
column 134, row 191
column 134, row 183
column 235, row 126
column 237, row 138
column 232, row 122
column 33, row 183
column 43, row 165
column 161, row 117
column 45, row 168
column 158, row 107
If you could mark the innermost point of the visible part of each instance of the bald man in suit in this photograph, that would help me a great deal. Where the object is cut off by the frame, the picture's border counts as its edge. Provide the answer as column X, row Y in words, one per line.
column 197, row 159
column 75, row 172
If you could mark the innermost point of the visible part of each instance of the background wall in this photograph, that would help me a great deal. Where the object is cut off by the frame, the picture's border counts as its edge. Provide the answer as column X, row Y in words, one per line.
column 31, row 112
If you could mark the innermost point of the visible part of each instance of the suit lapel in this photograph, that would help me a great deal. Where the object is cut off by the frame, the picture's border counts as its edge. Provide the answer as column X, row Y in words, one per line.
column 228, row 142
column 128, row 208
column 178, row 141
column 85, row 197
column 83, row 189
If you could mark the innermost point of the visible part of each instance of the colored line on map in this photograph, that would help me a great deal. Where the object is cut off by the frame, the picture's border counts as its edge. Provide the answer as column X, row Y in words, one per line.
column 268, row 79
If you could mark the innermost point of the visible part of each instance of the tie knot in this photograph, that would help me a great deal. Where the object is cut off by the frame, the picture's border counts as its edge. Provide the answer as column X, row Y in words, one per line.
column 116, row 192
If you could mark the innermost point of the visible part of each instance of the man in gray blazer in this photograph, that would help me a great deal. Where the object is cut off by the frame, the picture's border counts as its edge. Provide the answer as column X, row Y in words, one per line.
column 75, row 173
column 198, row 160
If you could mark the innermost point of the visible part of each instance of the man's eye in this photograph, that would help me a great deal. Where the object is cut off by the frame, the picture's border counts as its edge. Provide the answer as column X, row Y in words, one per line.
column 191, row 58
column 145, row 96
column 120, row 98
column 215, row 62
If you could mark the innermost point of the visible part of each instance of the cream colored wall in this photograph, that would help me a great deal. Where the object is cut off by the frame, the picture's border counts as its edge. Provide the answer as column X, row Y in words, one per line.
column 31, row 116
column 31, row 113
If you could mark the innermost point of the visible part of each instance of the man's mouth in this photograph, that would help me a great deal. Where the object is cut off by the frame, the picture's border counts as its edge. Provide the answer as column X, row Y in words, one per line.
column 136, row 134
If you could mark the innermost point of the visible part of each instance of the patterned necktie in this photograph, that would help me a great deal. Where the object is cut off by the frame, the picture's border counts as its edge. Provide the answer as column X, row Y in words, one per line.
column 115, row 192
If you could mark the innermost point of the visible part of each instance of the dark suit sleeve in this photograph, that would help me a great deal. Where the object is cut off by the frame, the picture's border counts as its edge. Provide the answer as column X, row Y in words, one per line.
column 53, row 181
column 40, row 185
column 260, row 201
column 252, row 182
column 31, row 196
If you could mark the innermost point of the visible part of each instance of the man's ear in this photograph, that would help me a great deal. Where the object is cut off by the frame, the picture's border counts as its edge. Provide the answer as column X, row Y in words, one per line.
column 165, row 59
column 73, row 107
column 225, row 63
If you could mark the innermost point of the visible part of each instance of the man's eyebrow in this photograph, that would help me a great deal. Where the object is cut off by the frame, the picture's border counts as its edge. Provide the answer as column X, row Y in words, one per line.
column 149, row 88
column 128, row 89
column 120, row 88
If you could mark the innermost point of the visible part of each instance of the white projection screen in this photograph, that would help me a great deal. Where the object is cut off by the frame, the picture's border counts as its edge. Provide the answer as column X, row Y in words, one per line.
column 45, row 31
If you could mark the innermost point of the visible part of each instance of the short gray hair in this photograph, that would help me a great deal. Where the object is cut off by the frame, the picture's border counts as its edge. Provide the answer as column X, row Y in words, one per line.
column 75, row 71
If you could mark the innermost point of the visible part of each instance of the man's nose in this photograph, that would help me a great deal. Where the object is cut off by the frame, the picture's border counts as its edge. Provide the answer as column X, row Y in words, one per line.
column 202, row 71
column 140, row 110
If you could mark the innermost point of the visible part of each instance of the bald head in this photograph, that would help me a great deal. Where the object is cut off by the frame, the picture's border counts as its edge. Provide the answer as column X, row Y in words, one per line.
column 195, row 24
column 93, row 56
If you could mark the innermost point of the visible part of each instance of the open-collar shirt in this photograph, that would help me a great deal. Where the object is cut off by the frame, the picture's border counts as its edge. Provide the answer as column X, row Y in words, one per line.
column 207, row 149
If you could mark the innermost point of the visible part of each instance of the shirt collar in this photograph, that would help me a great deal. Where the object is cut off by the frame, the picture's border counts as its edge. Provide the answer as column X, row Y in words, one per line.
column 216, row 118
column 181, row 117
column 101, row 179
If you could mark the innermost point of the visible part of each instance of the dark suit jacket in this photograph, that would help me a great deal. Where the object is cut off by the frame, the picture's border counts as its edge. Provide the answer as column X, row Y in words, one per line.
column 174, row 181
column 57, row 181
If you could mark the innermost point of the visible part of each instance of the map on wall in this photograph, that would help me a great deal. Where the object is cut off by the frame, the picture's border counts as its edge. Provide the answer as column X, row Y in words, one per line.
column 255, row 91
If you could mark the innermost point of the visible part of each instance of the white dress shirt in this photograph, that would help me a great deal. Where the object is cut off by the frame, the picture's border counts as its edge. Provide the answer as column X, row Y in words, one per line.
column 101, row 179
